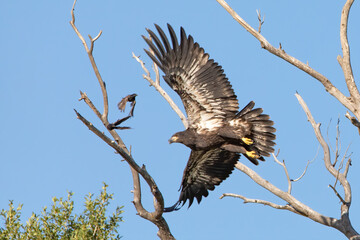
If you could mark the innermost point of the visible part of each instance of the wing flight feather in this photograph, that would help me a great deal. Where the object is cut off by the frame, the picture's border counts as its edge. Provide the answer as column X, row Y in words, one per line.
column 204, row 170
column 205, row 91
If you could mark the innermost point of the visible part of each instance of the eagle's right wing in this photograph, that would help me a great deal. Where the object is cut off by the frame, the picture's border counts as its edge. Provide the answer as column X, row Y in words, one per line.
column 205, row 91
column 204, row 170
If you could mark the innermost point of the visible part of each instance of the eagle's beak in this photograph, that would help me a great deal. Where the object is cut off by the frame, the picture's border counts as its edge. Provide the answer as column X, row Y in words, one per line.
column 173, row 139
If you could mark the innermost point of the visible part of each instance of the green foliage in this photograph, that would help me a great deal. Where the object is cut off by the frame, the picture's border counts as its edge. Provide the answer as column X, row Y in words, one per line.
column 61, row 223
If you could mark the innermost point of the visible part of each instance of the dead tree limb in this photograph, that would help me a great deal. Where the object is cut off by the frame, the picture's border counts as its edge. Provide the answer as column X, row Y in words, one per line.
column 118, row 145
column 352, row 102
column 344, row 61
column 343, row 224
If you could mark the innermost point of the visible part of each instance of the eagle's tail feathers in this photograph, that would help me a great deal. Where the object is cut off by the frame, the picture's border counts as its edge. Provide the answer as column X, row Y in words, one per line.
column 261, row 133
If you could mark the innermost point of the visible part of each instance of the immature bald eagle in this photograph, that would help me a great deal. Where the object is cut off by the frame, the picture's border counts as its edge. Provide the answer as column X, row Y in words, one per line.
column 216, row 132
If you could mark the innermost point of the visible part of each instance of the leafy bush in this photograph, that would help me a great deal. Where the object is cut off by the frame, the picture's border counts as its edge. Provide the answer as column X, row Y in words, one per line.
column 61, row 223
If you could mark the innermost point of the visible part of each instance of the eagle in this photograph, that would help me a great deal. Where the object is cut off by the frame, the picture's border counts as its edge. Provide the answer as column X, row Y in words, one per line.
column 217, row 131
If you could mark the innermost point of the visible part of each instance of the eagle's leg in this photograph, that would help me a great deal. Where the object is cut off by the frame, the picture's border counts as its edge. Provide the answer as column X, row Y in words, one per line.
column 247, row 141
column 231, row 134
column 250, row 154
column 234, row 148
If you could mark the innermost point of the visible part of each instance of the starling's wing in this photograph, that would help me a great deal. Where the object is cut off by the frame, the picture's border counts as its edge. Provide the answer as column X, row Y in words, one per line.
column 129, row 98
column 205, row 91
column 122, row 103
column 204, row 170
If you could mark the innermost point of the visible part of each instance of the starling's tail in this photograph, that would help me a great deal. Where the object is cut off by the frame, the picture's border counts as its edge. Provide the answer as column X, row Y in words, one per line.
column 259, row 141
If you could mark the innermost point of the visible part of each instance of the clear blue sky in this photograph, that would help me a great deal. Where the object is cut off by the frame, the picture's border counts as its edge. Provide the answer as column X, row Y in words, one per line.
column 45, row 151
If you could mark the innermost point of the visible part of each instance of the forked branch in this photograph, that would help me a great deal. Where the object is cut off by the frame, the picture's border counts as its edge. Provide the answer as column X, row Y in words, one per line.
column 258, row 201
column 118, row 145
column 350, row 103
column 343, row 224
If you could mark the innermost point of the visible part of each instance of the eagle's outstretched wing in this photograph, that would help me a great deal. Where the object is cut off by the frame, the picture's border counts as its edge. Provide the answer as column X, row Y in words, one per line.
column 205, row 91
column 204, row 170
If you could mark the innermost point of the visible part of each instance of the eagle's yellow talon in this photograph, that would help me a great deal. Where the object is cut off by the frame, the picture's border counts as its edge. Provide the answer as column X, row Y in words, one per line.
column 247, row 141
column 252, row 154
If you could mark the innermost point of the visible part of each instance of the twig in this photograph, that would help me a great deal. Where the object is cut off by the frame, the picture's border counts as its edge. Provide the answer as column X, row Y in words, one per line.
column 155, row 67
column 347, row 166
column 338, row 143
column 259, row 201
column 93, row 64
column 341, row 163
column 261, row 21
column 302, row 175
column 92, row 41
column 337, row 194
column 353, row 120
column 157, row 74
column 286, row 172
column 90, row 104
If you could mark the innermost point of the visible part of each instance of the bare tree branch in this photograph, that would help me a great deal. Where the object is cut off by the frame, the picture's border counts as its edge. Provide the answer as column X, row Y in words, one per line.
column 299, row 207
column 344, row 224
column 119, row 146
column 302, row 175
column 155, row 217
column 337, row 194
column 338, row 143
column 352, row 103
column 92, row 60
column 326, row 149
column 344, row 61
column 83, row 96
column 348, row 164
column 266, row 203
column 353, row 120
column 261, row 21
column 286, row 172
column 329, row 87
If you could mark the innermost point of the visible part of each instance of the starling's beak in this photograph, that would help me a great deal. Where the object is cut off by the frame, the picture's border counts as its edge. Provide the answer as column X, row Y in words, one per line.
column 173, row 139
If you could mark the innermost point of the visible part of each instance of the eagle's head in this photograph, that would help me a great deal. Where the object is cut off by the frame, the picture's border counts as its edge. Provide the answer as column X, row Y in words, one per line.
column 186, row 137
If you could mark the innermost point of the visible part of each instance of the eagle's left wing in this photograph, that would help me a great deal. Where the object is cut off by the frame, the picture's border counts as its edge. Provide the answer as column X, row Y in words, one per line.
column 204, row 170
column 205, row 91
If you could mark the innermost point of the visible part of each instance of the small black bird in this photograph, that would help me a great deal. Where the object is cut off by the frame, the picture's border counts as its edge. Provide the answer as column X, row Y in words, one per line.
column 131, row 99
column 121, row 105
